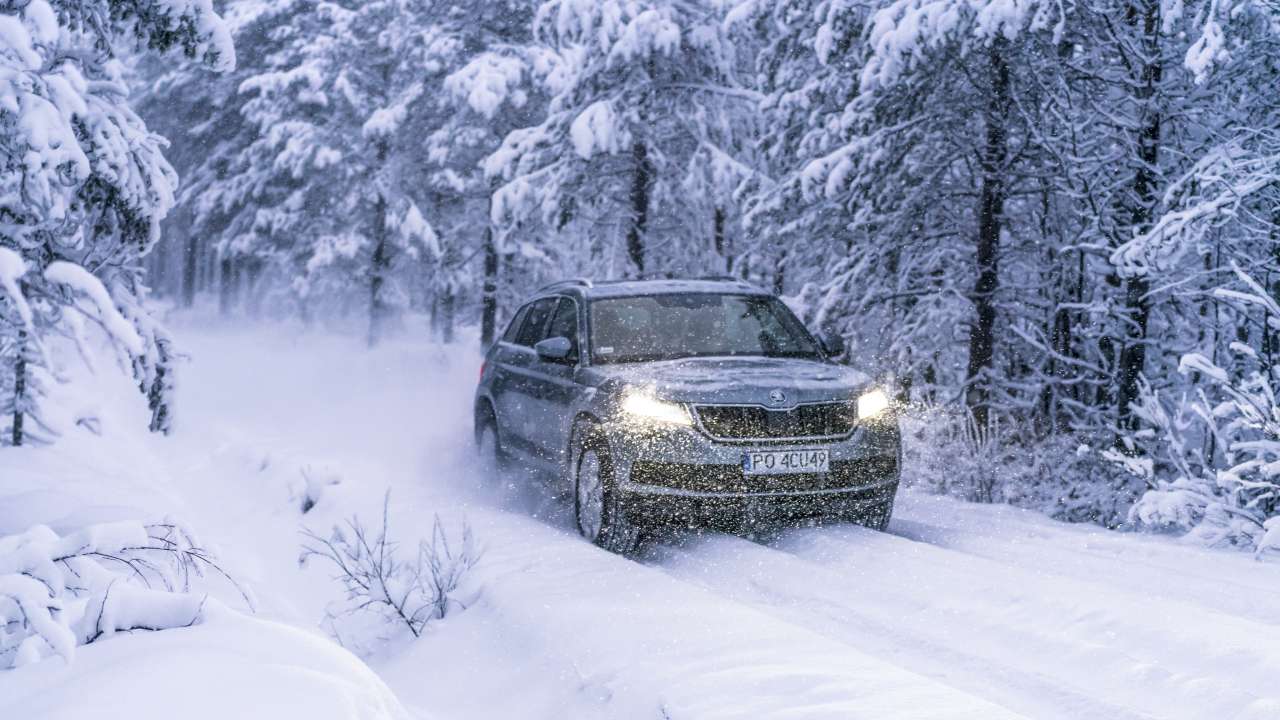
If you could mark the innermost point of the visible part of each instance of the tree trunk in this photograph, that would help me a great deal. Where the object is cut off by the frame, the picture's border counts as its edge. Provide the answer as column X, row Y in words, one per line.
column 1133, row 356
column 639, row 206
column 226, row 285
column 252, row 274
column 381, row 261
column 1270, row 340
column 377, row 272
column 447, row 320
column 717, row 232
column 990, row 210
column 19, row 387
column 780, row 273
column 190, row 252
column 489, row 293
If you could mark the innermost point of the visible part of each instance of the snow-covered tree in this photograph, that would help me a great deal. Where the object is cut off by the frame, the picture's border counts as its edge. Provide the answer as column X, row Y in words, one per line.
column 346, row 149
column 493, row 91
column 641, row 95
column 83, row 184
column 916, row 153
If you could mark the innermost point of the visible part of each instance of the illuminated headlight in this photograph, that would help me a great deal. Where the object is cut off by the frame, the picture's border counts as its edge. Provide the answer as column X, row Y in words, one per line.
column 645, row 408
column 872, row 404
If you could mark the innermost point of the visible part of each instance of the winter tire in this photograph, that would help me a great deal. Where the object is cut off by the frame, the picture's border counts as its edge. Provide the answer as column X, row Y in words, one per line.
column 877, row 517
column 597, row 506
column 488, row 447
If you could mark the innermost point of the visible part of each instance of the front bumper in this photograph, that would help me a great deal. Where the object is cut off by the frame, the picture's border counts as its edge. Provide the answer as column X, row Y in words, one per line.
column 679, row 476
column 651, row 507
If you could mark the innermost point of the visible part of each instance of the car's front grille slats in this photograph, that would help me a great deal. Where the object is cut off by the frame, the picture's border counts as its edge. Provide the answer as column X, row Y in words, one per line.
column 753, row 422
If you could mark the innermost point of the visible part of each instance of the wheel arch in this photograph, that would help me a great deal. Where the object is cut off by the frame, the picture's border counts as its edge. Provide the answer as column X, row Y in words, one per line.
column 584, row 418
column 484, row 411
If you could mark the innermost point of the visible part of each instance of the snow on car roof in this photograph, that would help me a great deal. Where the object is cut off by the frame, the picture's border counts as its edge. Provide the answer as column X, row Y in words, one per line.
column 625, row 288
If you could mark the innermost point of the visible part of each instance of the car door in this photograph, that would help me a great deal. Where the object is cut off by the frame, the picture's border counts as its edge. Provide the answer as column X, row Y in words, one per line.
column 513, row 394
column 553, row 388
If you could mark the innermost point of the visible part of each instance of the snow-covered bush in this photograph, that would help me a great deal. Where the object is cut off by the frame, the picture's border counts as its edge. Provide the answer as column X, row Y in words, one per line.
column 1211, row 455
column 58, row 592
column 946, row 452
column 380, row 583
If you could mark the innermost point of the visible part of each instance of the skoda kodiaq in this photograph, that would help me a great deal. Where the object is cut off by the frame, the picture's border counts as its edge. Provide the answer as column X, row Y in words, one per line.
column 689, row 402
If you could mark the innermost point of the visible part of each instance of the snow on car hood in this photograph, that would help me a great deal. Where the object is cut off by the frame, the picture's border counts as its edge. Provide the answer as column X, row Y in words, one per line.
column 739, row 380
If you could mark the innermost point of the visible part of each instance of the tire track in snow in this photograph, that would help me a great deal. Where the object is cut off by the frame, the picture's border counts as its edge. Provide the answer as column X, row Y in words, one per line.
column 1220, row 581
column 655, row 643
column 878, row 632
column 1035, row 642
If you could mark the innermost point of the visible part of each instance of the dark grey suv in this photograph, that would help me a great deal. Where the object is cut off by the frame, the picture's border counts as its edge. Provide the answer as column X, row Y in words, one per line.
column 688, row 402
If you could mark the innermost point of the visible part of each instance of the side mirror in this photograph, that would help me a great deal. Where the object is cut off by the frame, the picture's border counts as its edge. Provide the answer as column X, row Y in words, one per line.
column 554, row 350
column 832, row 343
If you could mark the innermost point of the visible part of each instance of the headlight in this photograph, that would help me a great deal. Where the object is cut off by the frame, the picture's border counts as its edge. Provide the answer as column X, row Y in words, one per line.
column 872, row 404
column 641, row 406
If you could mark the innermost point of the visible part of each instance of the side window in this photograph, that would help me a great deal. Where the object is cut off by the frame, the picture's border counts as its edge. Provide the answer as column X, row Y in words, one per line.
column 565, row 322
column 535, row 321
column 513, row 328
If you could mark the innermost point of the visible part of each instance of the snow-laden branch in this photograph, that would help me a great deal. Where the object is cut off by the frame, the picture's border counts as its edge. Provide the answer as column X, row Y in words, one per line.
column 12, row 268
column 1210, row 193
column 58, row 592
column 84, row 283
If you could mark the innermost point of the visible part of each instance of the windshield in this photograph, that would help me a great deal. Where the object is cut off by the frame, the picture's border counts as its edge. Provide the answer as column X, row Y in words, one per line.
column 665, row 327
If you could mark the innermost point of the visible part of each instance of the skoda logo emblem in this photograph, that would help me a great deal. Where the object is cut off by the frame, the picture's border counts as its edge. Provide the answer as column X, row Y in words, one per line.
column 777, row 397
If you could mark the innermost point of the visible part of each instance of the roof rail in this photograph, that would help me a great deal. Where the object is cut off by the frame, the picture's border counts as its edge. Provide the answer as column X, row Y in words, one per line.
column 722, row 278
column 571, row 282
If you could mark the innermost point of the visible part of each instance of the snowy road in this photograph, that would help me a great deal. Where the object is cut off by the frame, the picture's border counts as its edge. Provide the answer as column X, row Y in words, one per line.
column 959, row 611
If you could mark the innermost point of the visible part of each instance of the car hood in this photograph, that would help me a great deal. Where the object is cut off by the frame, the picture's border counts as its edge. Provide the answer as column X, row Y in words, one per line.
column 737, row 380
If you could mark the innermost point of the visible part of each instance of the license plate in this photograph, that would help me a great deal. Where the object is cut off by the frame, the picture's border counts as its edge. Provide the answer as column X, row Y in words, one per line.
column 785, row 462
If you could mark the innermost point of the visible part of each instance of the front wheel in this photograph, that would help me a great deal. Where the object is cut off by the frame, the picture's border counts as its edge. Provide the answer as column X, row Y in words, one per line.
column 875, row 517
column 597, row 506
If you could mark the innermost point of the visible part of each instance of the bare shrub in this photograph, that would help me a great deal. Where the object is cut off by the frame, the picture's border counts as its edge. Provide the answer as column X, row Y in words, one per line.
column 411, row 593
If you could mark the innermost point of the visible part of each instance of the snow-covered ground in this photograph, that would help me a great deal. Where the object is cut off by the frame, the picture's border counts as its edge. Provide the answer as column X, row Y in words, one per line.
column 959, row 611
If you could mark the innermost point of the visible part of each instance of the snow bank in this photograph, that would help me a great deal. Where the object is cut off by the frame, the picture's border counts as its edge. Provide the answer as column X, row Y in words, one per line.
column 231, row 666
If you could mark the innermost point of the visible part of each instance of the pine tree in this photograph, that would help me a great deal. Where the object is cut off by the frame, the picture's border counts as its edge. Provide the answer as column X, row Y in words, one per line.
column 85, row 184
column 639, row 98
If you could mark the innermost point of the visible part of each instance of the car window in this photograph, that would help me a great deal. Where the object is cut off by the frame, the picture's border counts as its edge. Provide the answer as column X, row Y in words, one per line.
column 565, row 322
column 535, row 321
column 664, row 327
column 514, row 327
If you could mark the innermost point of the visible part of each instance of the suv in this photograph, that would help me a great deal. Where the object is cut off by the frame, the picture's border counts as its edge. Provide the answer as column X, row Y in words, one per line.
column 689, row 402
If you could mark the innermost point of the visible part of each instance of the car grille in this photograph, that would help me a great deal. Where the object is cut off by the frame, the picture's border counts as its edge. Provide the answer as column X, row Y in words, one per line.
column 752, row 422
column 729, row 478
